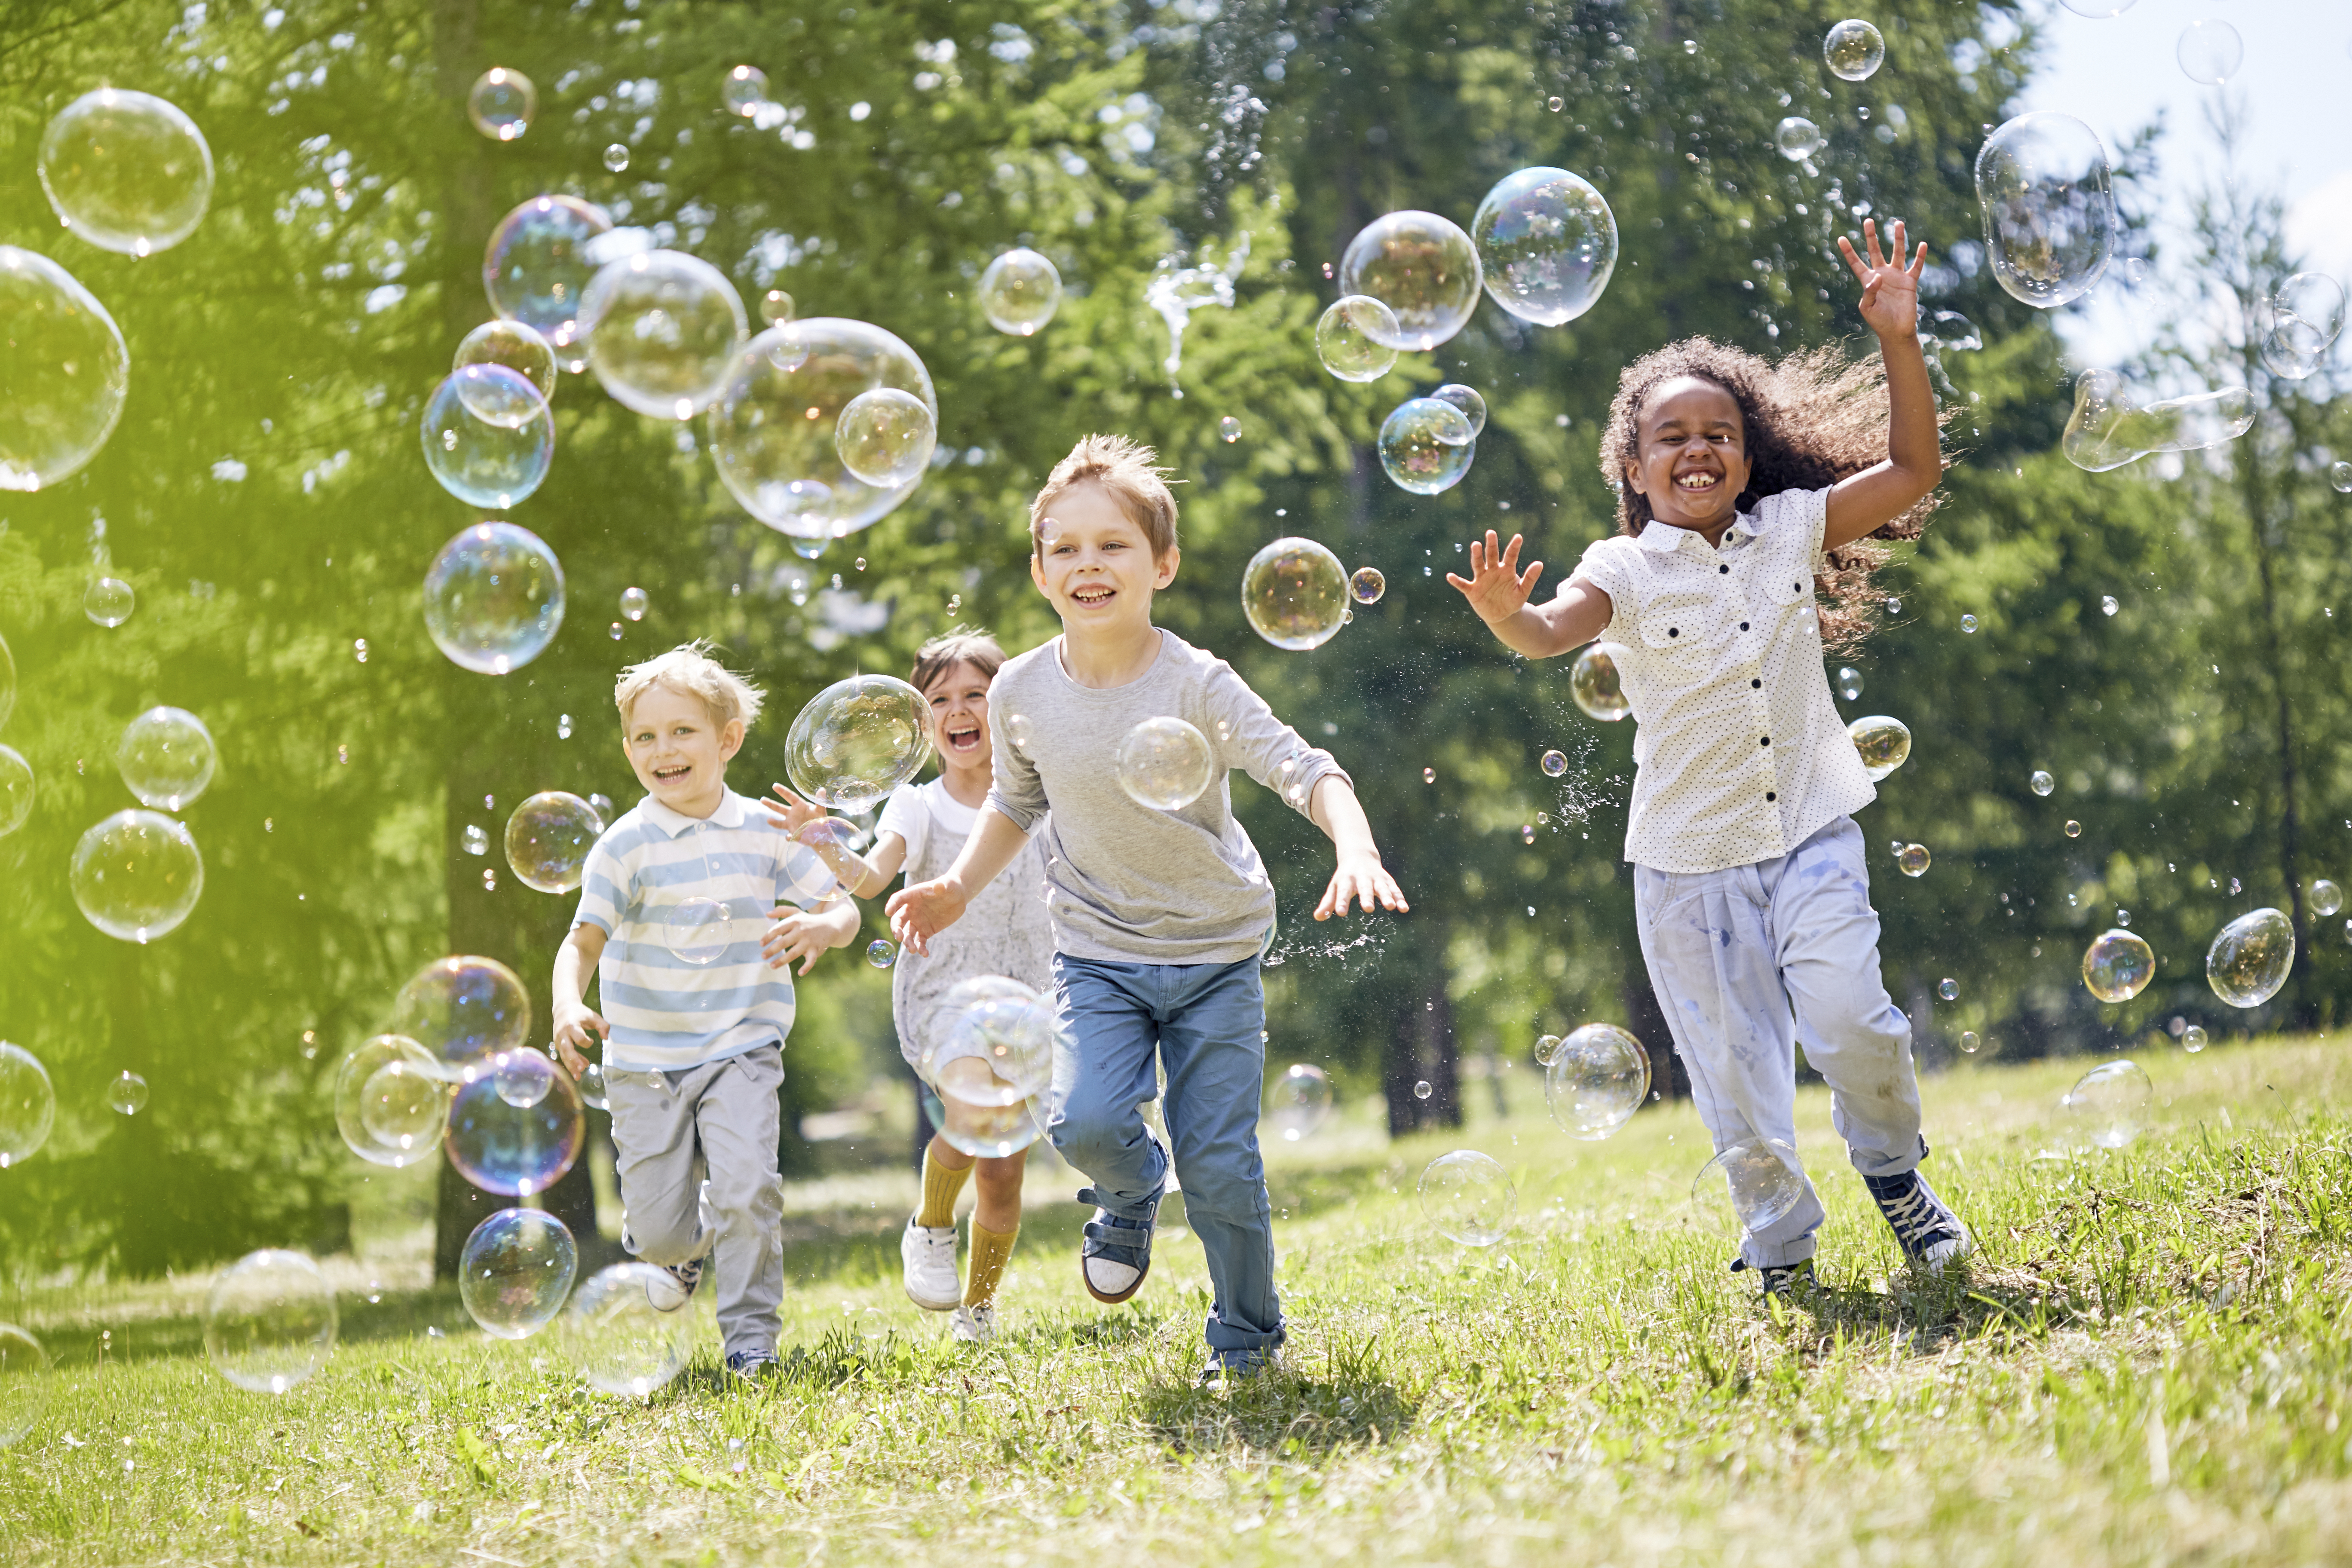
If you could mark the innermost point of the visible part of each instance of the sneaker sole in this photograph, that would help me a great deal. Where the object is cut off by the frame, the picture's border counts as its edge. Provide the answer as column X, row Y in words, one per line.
column 933, row 1306
column 1127, row 1294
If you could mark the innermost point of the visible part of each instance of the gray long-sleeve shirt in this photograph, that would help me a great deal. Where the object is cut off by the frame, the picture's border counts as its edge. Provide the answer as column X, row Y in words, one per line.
column 1124, row 882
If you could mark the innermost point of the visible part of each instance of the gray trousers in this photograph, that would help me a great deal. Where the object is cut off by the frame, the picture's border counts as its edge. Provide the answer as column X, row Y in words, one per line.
column 721, row 1119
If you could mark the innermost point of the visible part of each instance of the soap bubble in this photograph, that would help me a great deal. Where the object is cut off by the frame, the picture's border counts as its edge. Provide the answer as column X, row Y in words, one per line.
column 1294, row 592
column 1750, row 1184
column 1913, row 859
column 772, row 430
column 28, row 1384
column 2249, row 959
column 2340, row 476
column 165, row 756
column 1798, row 138
column 2326, row 897
column 517, row 1150
column 822, row 867
column 1164, row 764
column 1951, row 332
column 997, row 1057
column 699, row 931
column 494, row 598
column 2118, row 966
column 1467, row 399
column 618, row 1340
column 1353, row 338
column 523, row 1078
column 2193, row 1039
column 126, row 171
column 1546, row 243
column 8, row 681
column 1426, row 446
column 2209, row 52
column 127, row 1093
column 1884, row 744
column 502, row 103
column 593, row 1090
column 881, row 952
column 1020, row 292
column 616, row 157
column 1853, row 51
column 463, row 1009
column 2049, row 213
column 1300, row 1102
column 2099, row 10
column 1968, row 623
column 2110, row 426
column 1594, row 682
column 536, row 269
column 547, row 840
column 1970, row 1041
column 1597, row 1078
column 776, row 307
column 1554, row 763
column 2108, row 1106
column 476, row 842
column 1949, row 990
column 67, row 372
column 515, row 1272
column 109, row 601
column 269, row 1321
column 2073, row 829
column 664, row 328
column 1468, row 1198
column 1423, row 267
column 634, row 603
column 1547, row 1047
column 392, row 1101
column 1367, row 585
column 2301, row 319
column 884, row 437
column 28, row 1105
column 137, row 875
column 2041, row 783
column 519, row 349
column 488, row 436
column 856, row 741
column 744, row 90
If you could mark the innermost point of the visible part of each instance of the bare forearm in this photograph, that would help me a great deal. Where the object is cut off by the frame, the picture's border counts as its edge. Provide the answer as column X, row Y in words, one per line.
column 1335, row 809
column 1913, row 444
column 1529, row 631
column 995, row 840
column 575, row 960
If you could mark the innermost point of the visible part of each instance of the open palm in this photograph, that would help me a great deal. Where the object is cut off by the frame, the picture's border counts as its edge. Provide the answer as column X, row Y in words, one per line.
column 1890, row 291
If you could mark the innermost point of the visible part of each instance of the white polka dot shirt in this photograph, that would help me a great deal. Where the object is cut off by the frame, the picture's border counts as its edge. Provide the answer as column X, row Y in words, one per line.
column 1740, row 756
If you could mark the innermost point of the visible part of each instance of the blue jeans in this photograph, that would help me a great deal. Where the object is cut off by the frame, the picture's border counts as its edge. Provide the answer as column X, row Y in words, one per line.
column 1203, row 1019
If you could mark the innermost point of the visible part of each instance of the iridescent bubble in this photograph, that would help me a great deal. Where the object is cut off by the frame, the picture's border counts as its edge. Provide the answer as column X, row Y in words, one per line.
column 2041, row 783
column 2193, row 1039
column 2301, row 319
column 2049, row 213
column 1594, row 682
column 126, row 171
column 1849, row 684
column 1467, row 1198
column 856, row 741
column 523, row 1078
column 1164, row 765
column 744, row 90
column 494, row 598
column 28, row 1384
column 1547, row 1047
column 884, row 437
column 1913, row 859
column 1554, row 763
column 2110, row 426
column 502, row 103
column 1853, row 51
column 2073, row 829
column 1884, row 744
column 28, row 1105
column 488, row 436
column 616, row 158
column 515, row 1150
column 1352, row 337
column 2108, row 1106
column 536, row 269
column 634, row 603
column 1229, row 429
column 519, row 349
column 1968, row 623
column 126, row 1093
column 137, row 875
column 547, row 840
column 2118, row 966
column 165, row 756
column 1367, row 585
column 1020, row 291
column 620, row 1341
column 67, row 372
column 663, row 330
column 269, row 1321
column 1949, row 990
column 1970, row 1041
column 1597, row 1078
column 515, row 1272
column 1547, row 244
column 2209, row 52
column 1749, row 1185
column 108, row 602
column 881, row 952
column 392, row 1101
column 775, row 307
column 1300, row 1102
column 1465, row 398
column 463, row 1009
column 1425, row 446
column 2326, row 897
column 1294, row 592
column 593, row 1091
column 1798, row 138
column 1423, row 267
column 2249, row 959
column 997, row 1057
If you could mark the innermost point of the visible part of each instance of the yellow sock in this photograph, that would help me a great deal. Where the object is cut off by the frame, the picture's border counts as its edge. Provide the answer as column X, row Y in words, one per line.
column 941, row 1187
column 990, row 1249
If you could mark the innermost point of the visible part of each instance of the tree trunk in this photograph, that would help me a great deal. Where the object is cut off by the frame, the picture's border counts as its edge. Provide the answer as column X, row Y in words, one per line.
column 2301, row 1010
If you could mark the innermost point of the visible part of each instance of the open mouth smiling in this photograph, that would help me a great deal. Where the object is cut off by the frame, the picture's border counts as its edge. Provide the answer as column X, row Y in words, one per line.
column 1697, row 482
column 1093, row 595
column 962, row 739
column 673, row 773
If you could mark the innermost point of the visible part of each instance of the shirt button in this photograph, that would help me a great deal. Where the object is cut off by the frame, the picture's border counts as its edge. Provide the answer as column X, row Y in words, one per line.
column 1743, row 625
column 1756, row 685
column 1725, row 570
column 1674, row 631
column 1766, row 740
column 1771, row 795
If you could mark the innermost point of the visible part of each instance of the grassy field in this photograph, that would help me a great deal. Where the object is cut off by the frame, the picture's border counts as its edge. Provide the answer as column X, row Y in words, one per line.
column 2148, row 1362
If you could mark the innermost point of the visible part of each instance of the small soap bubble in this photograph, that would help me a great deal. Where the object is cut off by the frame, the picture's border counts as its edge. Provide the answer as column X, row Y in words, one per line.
column 127, row 1094
column 1555, row 103
column 2044, row 183
column 1547, row 244
column 563, row 726
column 1298, row 1103
column 1367, row 585
column 476, row 842
column 2123, row 917
column 1597, row 1078
column 1949, row 990
column 1798, row 138
column 1853, row 51
column 1554, row 763
column 523, row 1078
column 744, row 90
column 2073, row 829
column 2340, row 476
column 775, row 307
column 884, row 437
column 137, row 875
column 521, row 350
column 881, row 952
column 1229, row 429
column 503, row 103
column 1465, row 398
column 494, row 598
column 1294, row 592
column 1466, row 1196
column 488, row 436
column 2118, row 966
column 166, row 758
column 16, row 790
column 1885, row 743
column 699, row 931
column 614, row 631
column 1020, row 292
column 1547, row 1047
column 547, row 840
column 1968, row 623
column 2041, row 783
column 2209, row 52
column 360, row 650
column 2108, row 1106
column 593, row 1090
column 1351, row 338
column 1424, row 267
column 2326, row 897
column 1594, row 683
column 619, row 1339
column 515, row 1271
column 1527, row 833
column 1423, row 1090
column 1429, row 775
column 490, row 879
column 1164, row 764
column 856, row 741
column 2107, row 605
column 126, row 171
column 2250, row 957
column 1749, row 1184
column 269, row 1321
column 1849, row 684
column 1893, row 607
column 1913, row 859
column 28, row 1105
column 616, row 158
column 109, row 601
column 1426, row 446
column 1970, row 1041
column 2193, row 1039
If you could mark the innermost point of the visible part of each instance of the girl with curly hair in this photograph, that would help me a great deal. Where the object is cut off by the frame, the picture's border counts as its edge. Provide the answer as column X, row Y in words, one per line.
column 1750, row 491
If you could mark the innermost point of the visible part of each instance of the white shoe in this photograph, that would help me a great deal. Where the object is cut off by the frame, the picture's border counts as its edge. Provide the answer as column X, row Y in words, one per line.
column 973, row 1325
column 928, row 1253
column 674, row 1286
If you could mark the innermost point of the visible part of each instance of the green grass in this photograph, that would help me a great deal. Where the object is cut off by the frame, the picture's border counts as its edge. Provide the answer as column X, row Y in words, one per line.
column 2147, row 1362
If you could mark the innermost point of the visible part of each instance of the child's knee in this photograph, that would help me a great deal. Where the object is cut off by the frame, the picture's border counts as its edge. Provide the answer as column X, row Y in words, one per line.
column 1225, row 1185
column 666, row 1237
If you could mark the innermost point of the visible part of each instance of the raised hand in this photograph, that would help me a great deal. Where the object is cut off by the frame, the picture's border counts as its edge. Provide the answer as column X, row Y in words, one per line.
column 1890, row 291
column 790, row 811
column 920, row 912
column 1496, row 587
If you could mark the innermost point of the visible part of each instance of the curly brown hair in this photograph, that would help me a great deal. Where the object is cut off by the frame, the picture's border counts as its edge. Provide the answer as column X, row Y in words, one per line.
column 1809, row 420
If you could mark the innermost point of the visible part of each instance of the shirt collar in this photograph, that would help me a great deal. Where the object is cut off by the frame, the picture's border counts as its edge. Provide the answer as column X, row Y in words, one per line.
column 1665, row 538
column 673, row 823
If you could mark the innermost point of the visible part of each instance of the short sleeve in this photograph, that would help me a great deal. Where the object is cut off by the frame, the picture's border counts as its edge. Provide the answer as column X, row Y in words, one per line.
column 1804, row 517
column 1015, row 792
column 1605, row 566
column 605, row 889
column 906, row 815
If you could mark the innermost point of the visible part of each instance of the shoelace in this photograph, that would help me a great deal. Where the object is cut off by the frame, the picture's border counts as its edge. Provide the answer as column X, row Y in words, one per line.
column 1916, row 1219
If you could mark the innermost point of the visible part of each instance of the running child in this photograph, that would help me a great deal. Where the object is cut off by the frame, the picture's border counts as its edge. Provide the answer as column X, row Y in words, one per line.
column 1158, row 916
column 1749, row 883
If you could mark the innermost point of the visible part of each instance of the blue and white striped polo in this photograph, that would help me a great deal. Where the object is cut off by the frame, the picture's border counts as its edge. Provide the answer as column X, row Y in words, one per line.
column 677, row 994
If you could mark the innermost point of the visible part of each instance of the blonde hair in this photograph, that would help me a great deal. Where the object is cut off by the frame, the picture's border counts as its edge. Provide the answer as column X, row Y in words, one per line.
column 1129, row 472
column 964, row 645
column 690, row 669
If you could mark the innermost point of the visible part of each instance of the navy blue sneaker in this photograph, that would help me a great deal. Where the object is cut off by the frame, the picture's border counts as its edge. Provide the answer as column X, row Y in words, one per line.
column 751, row 1365
column 1225, row 1368
column 1116, row 1255
column 1780, row 1280
column 1929, row 1232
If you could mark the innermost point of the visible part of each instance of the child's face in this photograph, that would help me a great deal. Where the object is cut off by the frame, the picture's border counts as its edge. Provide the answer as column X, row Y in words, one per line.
column 679, row 755
column 958, row 696
column 1691, row 455
column 1095, row 564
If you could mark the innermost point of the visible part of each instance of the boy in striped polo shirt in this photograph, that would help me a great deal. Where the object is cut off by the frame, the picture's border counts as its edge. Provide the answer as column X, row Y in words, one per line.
column 672, row 912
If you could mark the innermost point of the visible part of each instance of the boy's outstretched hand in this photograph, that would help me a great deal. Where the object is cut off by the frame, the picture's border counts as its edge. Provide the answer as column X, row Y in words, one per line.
column 1890, row 291
column 920, row 912
column 1496, row 587
column 791, row 812
column 804, row 934
column 1363, row 878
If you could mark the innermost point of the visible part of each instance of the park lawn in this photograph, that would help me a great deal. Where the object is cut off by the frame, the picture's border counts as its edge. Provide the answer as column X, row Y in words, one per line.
column 2147, row 1362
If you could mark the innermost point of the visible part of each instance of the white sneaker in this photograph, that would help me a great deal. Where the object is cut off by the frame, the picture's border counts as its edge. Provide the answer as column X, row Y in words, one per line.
column 674, row 1286
column 928, row 1253
column 973, row 1325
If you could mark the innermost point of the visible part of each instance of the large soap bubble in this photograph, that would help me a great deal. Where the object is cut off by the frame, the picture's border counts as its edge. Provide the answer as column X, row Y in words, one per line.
column 2110, row 426
column 772, row 430
column 269, row 1321
column 126, row 171
column 67, row 372
column 1423, row 267
column 488, row 436
column 1597, row 682
column 1467, row 1197
column 28, row 1384
column 514, row 344
column 1852, row 49
column 2249, row 959
column 1020, row 292
column 2209, row 52
column 1597, row 1078
column 1749, row 1184
column 2108, row 1106
column 2049, row 213
column 1164, row 764
column 1294, row 591
column 502, row 103
column 28, row 1105
column 547, row 840
column 2300, row 319
column 517, row 1150
column 2117, row 965
column 494, row 598
column 663, row 331
column 620, row 1341
column 16, row 790
column 856, row 741
column 1426, row 446
column 462, row 1009
column 516, row 1271
column 166, row 757
column 1300, row 1102
column 137, row 875
column 1884, row 744
column 392, row 1101
column 1353, row 338
column 536, row 269
column 1547, row 244
column 884, row 437
column 699, row 930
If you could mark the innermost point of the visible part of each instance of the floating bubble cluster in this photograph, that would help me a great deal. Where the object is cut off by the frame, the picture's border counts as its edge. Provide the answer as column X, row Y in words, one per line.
column 2049, row 213
column 1423, row 267
column 69, row 372
column 488, row 436
column 494, row 598
column 2110, row 426
column 392, row 1101
column 519, row 348
column 28, row 1384
column 2300, row 319
column 1299, row 1104
column 536, row 269
column 1751, row 1185
column 663, row 330
column 1467, row 1197
column 2108, row 1105
column 137, row 875
column 1884, row 744
column 1020, row 292
column 502, row 103
column 1294, row 591
column 28, row 1105
column 856, row 741
column 1852, row 49
column 620, row 1341
column 1164, row 764
column 126, row 171
column 269, row 1321
column 2118, row 966
column 1546, row 243
column 463, row 1009
column 2249, row 959
column 1353, row 338
column 547, row 840
column 165, row 756
column 516, row 1149
column 1595, row 684
column 1426, row 446
column 1798, row 138
column 1595, row 1080
column 515, row 1272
